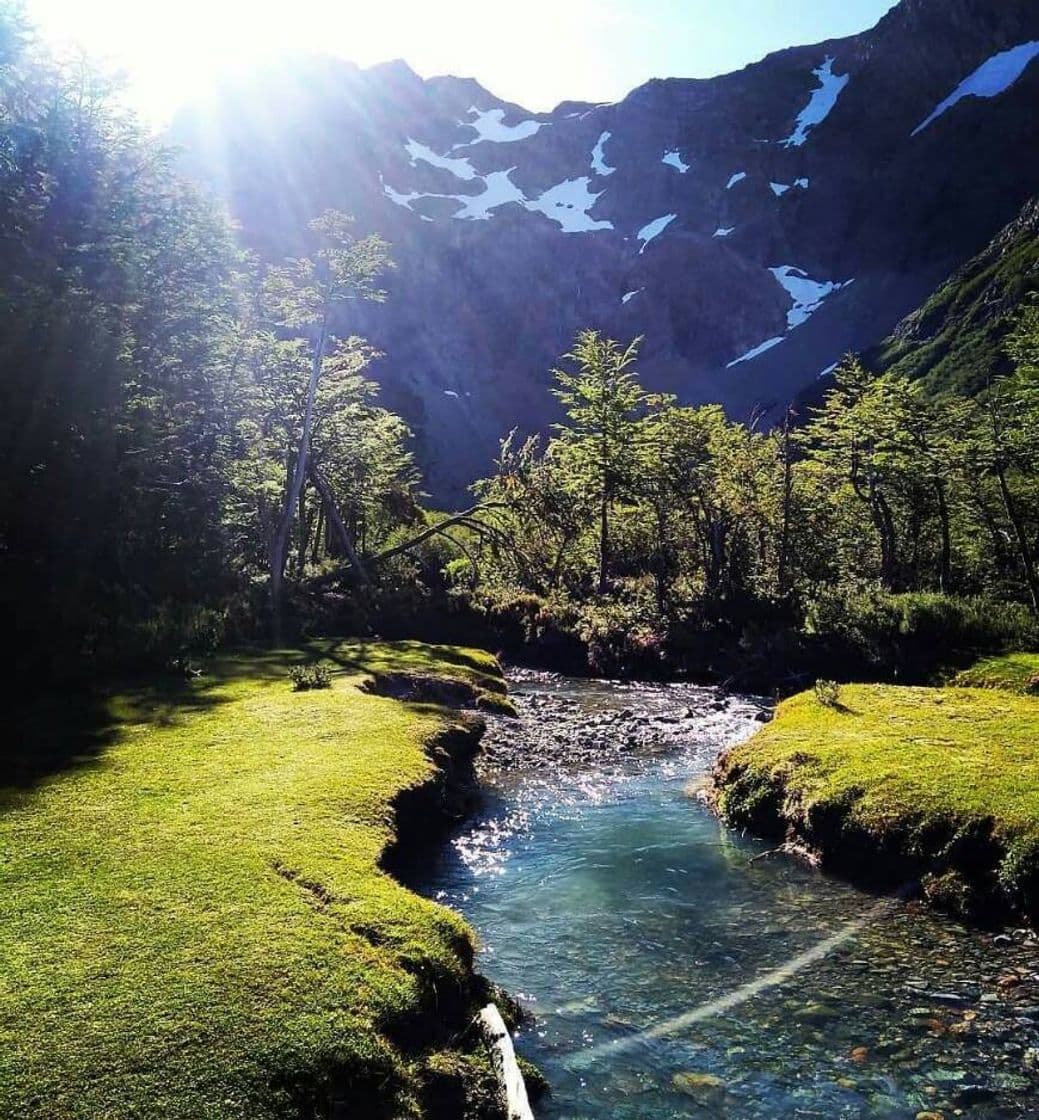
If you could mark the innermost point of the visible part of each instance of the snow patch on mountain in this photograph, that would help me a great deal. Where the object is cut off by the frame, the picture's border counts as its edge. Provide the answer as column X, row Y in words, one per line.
column 631, row 295
column 780, row 189
column 653, row 229
column 820, row 104
column 674, row 159
column 568, row 204
column 993, row 77
column 767, row 345
column 599, row 165
column 723, row 231
column 737, row 178
column 807, row 294
column 399, row 197
column 459, row 167
column 490, row 126
column 500, row 191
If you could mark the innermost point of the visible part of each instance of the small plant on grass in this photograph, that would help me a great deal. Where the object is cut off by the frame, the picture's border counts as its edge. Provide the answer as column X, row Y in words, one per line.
column 305, row 678
column 828, row 693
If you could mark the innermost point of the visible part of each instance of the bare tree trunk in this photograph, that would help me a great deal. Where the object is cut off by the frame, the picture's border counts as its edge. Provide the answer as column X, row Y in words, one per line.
column 788, row 491
column 337, row 525
column 280, row 544
column 511, row 1087
column 319, row 535
column 604, row 545
column 1024, row 551
column 945, row 567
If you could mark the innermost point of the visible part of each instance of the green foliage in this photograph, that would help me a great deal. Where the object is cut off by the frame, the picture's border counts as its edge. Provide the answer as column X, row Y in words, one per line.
column 198, row 922
column 306, row 678
column 161, row 427
column 828, row 693
column 897, row 528
column 956, row 342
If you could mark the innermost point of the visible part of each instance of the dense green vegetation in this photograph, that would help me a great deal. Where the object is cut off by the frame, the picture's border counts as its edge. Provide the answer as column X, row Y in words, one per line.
column 956, row 341
column 890, row 783
column 196, row 922
column 179, row 424
column 890, row 528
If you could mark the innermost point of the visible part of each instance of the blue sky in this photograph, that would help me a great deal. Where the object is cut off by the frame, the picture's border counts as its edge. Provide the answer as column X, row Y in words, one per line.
column 536, row 53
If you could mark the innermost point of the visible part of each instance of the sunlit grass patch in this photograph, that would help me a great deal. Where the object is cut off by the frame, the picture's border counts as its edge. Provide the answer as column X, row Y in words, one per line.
column 1013, row 672
column 923, row 780
column 194, row 922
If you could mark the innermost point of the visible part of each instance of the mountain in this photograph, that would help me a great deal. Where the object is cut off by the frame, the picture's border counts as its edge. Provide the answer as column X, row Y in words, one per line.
column 754, row 226
column 955, row 341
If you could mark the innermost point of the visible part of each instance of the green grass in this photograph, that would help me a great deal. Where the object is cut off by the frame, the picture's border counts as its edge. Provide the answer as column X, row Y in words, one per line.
column 920, row 770
column 194, row 923
column 1012, row 672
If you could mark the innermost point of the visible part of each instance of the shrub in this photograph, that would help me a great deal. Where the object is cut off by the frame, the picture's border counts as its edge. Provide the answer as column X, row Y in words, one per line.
column 828, row 693
column 912, row 635
column 308, row 677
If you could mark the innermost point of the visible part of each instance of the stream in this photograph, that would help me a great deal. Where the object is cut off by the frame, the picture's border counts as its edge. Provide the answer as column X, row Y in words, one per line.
column 672, row 968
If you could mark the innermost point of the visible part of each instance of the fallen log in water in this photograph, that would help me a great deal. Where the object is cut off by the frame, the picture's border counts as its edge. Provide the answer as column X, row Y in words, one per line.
column 503, row 1059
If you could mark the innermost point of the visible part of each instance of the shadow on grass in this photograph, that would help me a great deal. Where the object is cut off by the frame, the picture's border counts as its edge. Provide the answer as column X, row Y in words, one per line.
column 53, row 732
column 70, row 727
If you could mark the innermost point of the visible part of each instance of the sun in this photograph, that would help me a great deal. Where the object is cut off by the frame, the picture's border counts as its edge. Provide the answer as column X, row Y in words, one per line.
column 171, row 52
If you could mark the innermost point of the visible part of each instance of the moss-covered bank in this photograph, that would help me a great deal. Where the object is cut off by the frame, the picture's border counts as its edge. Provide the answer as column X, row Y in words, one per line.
column 897, row 784
column 197, row 923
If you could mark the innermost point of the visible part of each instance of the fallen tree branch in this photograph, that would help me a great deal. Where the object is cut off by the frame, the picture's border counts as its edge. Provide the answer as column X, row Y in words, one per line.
column 464, row 519
column 506, row 1068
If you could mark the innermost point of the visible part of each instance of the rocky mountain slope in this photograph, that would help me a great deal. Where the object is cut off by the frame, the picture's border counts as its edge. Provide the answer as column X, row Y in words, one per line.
column 955, row 341
column 754, row 226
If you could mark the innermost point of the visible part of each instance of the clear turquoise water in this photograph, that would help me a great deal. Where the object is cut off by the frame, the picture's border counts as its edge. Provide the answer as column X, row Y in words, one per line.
column 612, row 902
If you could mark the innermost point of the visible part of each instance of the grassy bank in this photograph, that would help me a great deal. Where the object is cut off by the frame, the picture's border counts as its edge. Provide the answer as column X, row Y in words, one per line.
column 1012, row 672
column 897, row 783
column 194, row 921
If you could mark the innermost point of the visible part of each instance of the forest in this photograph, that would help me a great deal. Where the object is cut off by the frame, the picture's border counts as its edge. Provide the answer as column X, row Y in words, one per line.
column 196, row 455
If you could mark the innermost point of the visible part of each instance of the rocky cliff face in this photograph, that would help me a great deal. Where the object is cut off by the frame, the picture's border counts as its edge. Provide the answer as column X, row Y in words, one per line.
column 754, row 227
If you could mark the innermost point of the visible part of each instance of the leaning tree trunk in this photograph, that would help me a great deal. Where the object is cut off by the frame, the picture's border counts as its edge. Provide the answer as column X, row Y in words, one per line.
column 337, row 525
column 280, row 544
column 1024, row 551
column 945, row 570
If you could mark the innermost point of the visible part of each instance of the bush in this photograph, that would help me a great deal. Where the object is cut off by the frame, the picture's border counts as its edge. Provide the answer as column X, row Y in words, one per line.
column 828, row 693
column 912, row 635
column 625, row 634
column 305, row 678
